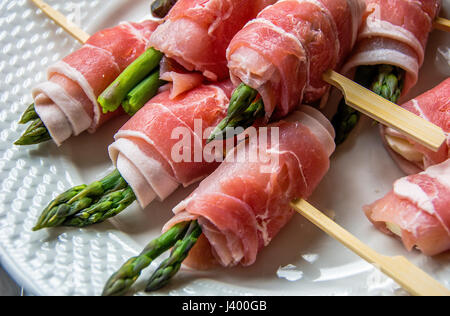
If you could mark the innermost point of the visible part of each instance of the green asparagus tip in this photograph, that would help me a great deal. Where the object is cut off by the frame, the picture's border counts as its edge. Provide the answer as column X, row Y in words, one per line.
column 121, row 281
column 29, row 115
column 86, row 205
column 170, row 267
column 385, row 80
column 36, row 133
column 243, row 111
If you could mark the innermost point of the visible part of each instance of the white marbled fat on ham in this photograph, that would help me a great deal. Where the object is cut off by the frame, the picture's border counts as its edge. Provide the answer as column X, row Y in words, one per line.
column 196, row 33
column 243, row 205
column 67, row 102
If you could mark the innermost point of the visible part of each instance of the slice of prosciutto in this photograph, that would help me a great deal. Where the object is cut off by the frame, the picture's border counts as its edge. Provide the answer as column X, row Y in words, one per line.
column 434, row 106
column 180, row 80
column 395, row 32
column 417, row 210
column 161, row 147
column 286, row 49
column 196, row 33
column 67, row 101
column 243, row 205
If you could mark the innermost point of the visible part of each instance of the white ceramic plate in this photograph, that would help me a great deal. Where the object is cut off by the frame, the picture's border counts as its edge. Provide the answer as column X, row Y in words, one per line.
column 300, row 261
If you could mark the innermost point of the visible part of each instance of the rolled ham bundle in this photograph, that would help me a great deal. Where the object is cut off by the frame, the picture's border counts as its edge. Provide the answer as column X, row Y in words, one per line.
column 145, row 150
column 417, row 210
column 286, row 49
column 395, row 32
column 67, row 102
column 196, row 33
column 243, row 205
column 433, row 106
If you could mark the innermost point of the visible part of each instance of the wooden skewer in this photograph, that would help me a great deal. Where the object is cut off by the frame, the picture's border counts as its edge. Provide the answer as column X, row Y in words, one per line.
column 442, row 24
column 62, row 21
column 406, row 274
column 387, row 113
column 411, row 278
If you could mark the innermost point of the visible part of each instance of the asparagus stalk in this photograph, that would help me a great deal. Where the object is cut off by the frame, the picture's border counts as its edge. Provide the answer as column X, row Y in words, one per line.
column 117, row 92
column 142, row 93
column 243, row 111
column 160, row 8
column 387, row 81
column 169, row 268
column 36, row 133
column 121, row 281
column 88, row 204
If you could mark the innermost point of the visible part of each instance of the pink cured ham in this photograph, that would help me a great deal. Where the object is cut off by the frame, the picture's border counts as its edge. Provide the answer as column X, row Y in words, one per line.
column 395, row 32
column 196, row 33
column 147, row 148
column 419, row 206
column 67, row 102
column 433, row 106
column 179, row 78
column 285, row 50
column 245, row 203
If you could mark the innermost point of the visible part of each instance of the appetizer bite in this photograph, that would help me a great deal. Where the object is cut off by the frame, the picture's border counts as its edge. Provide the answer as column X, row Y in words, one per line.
column 389, row 53
column 243, row 205
column 281, row 56
column 417, row 210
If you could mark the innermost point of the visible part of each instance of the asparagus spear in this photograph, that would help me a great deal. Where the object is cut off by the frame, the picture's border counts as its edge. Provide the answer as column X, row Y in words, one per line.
column 242, row 111
column 121, row 281
column 29, row 115
column 384, row 80
column 244, row 120
column 169, row 268
column 88, row 204
column 36, row 133
column 160, row 8
column 141, row 94
column 116, row 93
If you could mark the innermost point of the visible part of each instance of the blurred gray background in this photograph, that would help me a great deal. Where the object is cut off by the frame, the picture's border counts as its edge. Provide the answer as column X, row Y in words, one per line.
column 7, row 286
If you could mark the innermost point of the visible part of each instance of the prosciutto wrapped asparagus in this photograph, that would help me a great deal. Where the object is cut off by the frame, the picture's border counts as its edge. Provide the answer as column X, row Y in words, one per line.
column 284, row 52
column 66, row 104
column 195, row 35
column 243, row 205
column 395, row 32
column 417, row 210
column 146, row 167
column 389, row 52
column 434, row 106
